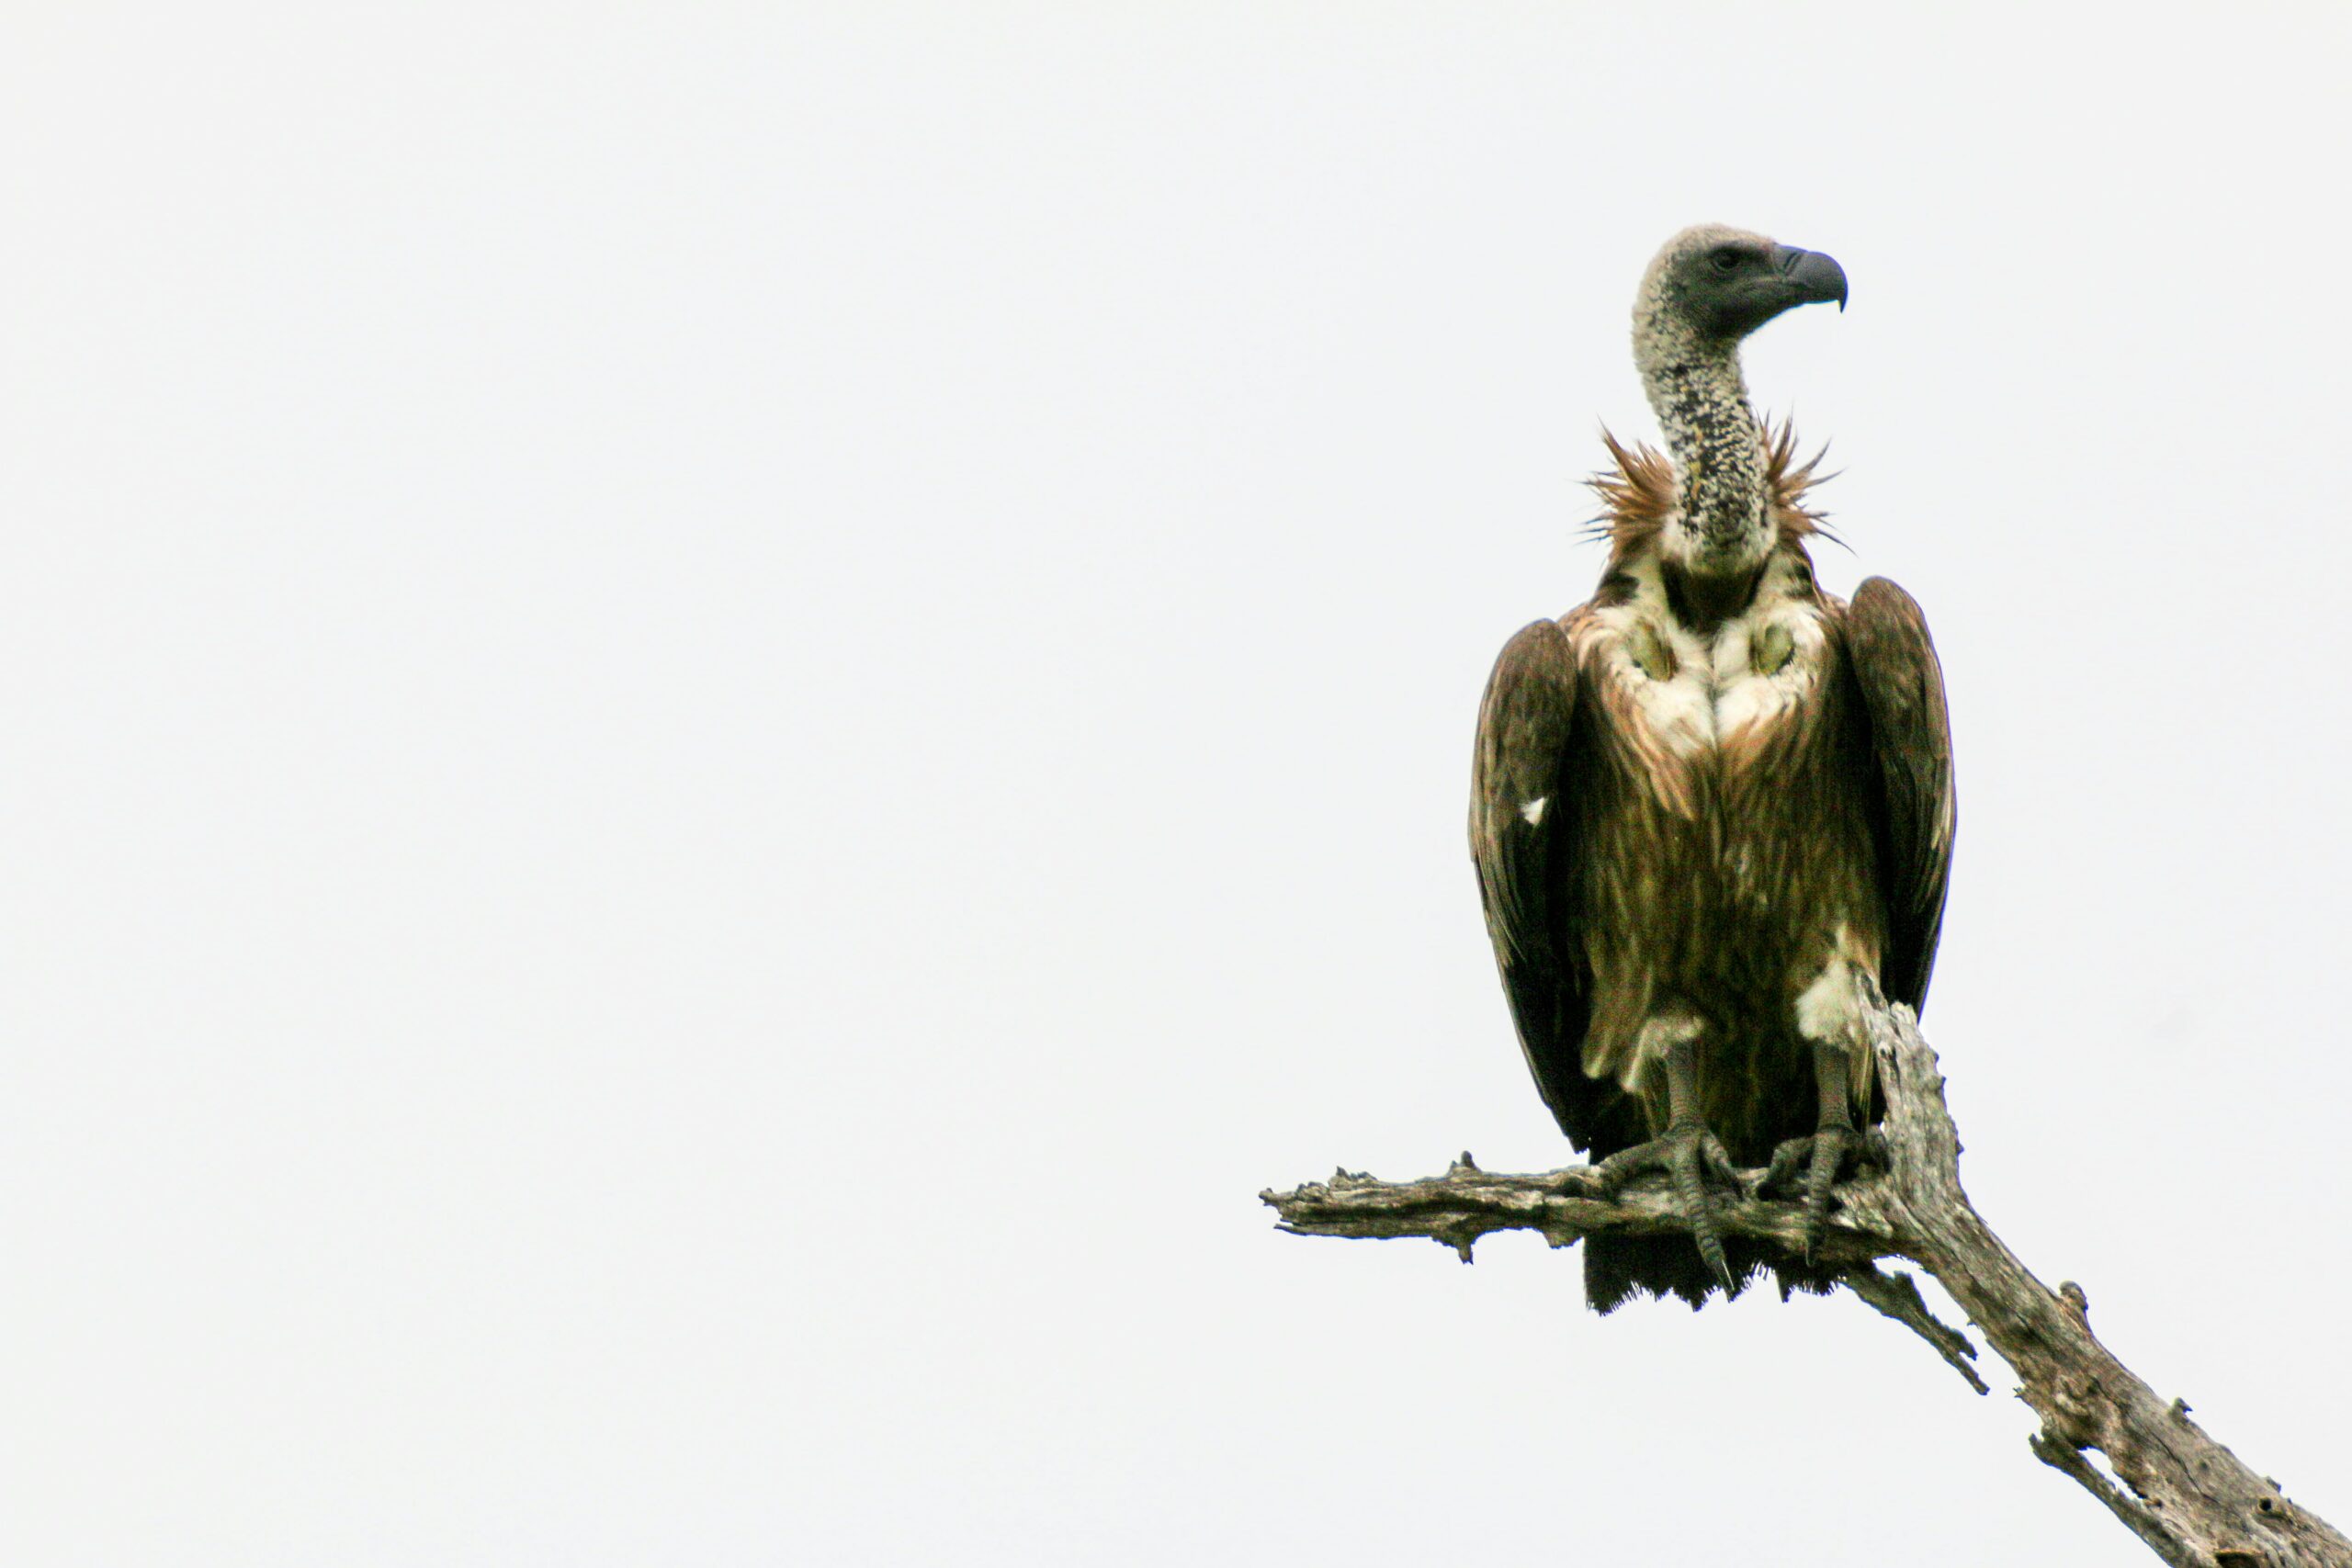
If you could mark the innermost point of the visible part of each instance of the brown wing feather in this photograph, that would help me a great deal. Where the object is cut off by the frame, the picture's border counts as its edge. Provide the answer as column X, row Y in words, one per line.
column 1525, row 723
column 1902, row 687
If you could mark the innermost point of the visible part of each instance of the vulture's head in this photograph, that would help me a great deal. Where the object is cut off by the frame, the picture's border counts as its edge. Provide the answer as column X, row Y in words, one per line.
column 1711, row 286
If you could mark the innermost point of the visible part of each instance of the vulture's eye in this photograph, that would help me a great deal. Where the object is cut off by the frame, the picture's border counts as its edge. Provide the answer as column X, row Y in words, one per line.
column 1726, row 260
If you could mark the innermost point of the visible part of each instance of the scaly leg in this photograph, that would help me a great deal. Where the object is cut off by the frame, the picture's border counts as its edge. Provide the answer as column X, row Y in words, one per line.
column 1833, row 1150
column 1686, row 1151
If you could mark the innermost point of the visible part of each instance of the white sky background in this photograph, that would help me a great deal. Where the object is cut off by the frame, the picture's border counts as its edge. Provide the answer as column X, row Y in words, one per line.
column 719, row 721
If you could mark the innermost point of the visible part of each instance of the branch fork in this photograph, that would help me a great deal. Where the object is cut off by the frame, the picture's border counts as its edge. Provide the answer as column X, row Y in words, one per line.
column 2187, row 1497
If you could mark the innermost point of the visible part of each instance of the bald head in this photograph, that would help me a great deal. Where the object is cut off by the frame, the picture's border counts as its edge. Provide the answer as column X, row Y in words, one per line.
column 1711, row 286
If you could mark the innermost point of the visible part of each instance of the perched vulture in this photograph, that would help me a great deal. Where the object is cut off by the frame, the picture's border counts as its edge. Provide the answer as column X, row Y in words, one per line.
column 1713, row 806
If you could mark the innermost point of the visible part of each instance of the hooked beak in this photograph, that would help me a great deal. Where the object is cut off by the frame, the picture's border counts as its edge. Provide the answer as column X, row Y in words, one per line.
column 1815, row 279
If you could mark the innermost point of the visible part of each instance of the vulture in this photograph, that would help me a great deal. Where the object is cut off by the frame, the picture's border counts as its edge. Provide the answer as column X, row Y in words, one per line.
column 1711, row 806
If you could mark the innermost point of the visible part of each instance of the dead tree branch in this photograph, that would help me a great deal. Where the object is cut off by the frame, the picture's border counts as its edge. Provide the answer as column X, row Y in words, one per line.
column 2193, row 1500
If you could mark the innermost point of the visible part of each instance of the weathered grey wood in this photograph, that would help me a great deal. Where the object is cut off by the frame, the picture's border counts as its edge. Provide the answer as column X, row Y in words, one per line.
column 2194, row 1502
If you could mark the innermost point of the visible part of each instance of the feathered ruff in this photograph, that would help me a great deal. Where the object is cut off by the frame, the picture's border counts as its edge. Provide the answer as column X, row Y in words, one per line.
column 1638, row 497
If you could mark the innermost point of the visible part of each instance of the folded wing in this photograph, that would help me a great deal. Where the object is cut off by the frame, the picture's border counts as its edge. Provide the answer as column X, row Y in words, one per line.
column 1895, row 670
column 1522, row 838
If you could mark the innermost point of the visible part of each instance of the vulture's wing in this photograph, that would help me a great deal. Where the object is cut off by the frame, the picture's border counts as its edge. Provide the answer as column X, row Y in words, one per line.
column 1902, row 689
column 1522, row 839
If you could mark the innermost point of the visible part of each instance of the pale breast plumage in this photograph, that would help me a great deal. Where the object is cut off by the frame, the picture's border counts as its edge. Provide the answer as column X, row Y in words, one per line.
column 1722, row 692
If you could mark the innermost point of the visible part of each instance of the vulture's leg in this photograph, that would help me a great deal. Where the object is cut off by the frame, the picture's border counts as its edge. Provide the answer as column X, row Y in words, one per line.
column 1834, row 1148
column 1686, row 1151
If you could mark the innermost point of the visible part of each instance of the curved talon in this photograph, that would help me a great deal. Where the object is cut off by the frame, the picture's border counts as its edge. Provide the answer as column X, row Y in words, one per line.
column 1687, row 1153
column 1690, row 1185
column 1833, row 1151
column 1718, row 1157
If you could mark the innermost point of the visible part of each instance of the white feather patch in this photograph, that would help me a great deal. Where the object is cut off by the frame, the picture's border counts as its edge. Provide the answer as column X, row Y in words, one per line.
column 1715, row 690
column 1533, row 810
column 1833, row 1011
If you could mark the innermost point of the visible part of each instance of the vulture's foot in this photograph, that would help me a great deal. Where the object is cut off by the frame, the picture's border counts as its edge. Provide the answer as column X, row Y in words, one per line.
column 1690, row 1156
column 1830, row 1153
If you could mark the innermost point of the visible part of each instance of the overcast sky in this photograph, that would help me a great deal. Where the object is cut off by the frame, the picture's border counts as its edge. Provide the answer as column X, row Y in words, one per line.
column 718, row 721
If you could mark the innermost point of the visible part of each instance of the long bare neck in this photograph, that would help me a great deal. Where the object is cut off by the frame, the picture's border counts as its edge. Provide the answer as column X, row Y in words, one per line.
column 1695, row 389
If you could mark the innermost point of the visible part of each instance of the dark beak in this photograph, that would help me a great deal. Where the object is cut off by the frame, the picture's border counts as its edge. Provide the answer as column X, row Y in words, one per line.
column 1815, row 277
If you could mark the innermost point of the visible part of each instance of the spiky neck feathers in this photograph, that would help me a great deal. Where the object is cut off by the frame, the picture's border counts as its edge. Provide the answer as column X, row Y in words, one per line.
column 1642, row 499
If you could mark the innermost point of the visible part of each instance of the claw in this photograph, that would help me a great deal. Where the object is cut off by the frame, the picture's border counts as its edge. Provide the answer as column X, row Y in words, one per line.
column 1689, row 1155
column 1831, row 1152
column 1690, row 1185
column 1829, row 1147
column 1718, row 1159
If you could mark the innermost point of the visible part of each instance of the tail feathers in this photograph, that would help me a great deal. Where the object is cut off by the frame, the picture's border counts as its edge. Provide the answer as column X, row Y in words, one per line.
column 1618, row 1267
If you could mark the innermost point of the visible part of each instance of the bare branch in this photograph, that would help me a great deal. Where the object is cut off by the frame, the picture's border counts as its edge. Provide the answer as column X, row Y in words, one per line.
column 2190, row 1498
column 1897, row 1296
column 1563, row 1205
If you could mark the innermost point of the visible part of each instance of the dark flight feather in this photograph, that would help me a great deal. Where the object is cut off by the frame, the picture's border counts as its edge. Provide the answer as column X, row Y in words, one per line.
column 1525, row 729
column 1895, row 670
